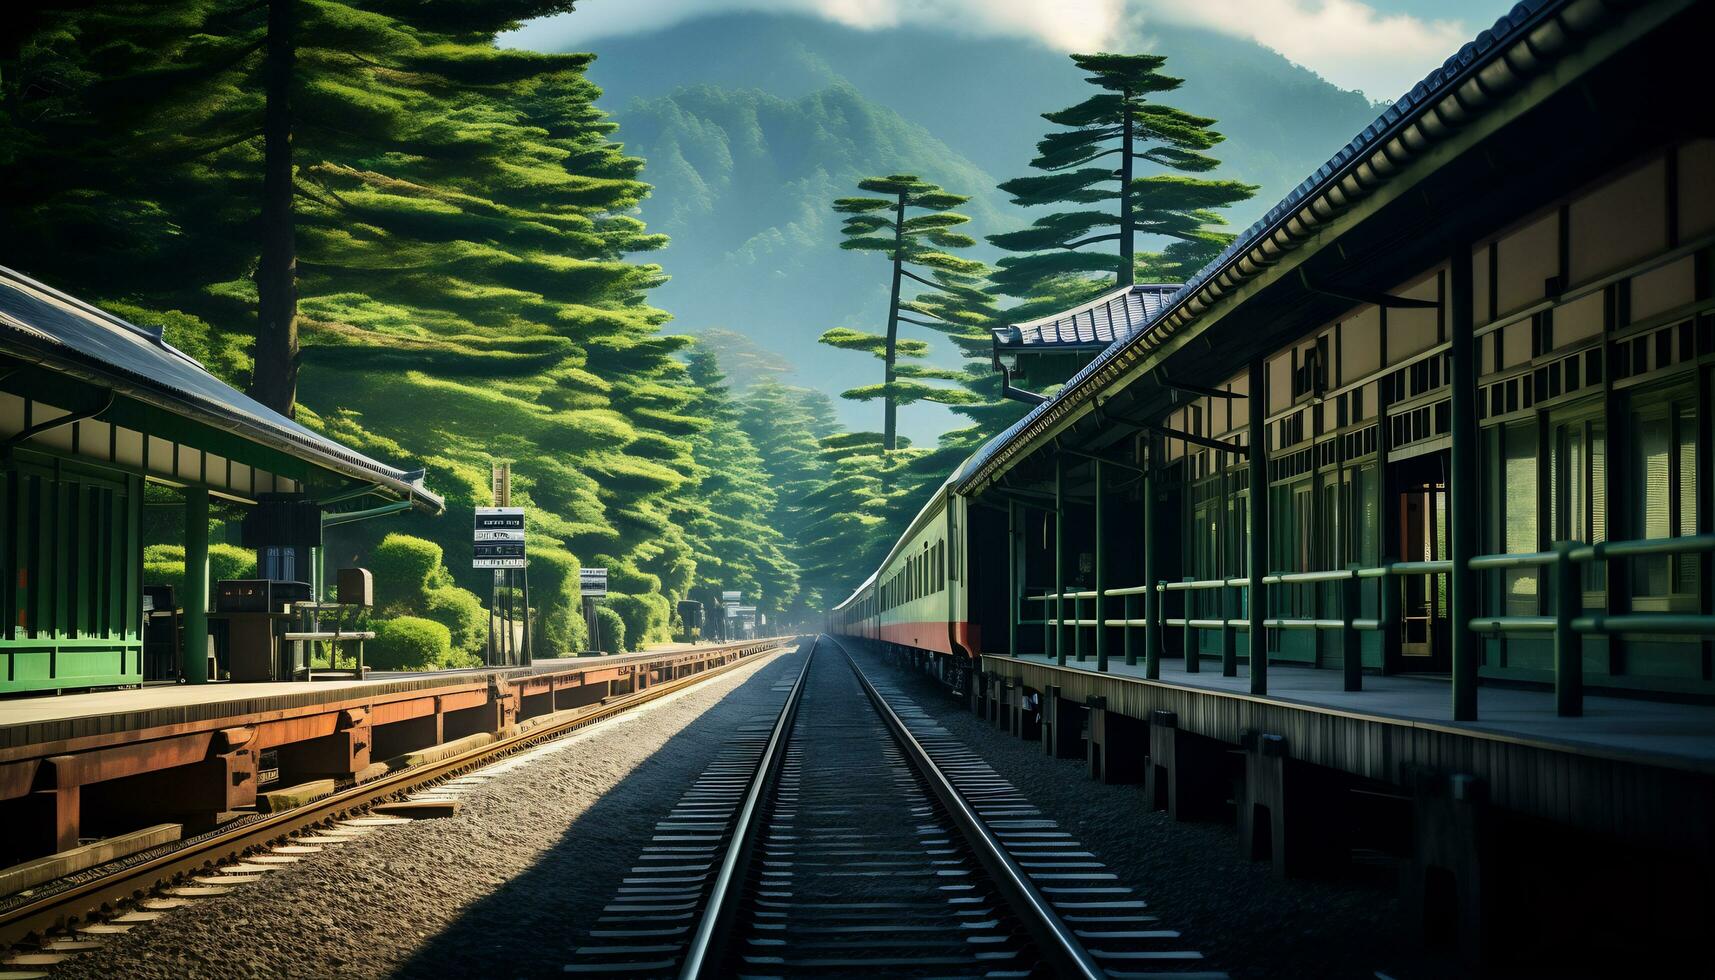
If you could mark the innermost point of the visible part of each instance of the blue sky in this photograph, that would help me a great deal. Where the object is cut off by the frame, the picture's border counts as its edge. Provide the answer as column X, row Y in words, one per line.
column 1380, row 47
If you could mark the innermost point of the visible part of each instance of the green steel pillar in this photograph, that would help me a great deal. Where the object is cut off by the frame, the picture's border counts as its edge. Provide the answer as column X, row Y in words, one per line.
column 1059, row 603
column 195, row 598
column 1463, row 493
column 1257, row 505
column 1012, row 577
column 1151, row 598
column 1101, row 578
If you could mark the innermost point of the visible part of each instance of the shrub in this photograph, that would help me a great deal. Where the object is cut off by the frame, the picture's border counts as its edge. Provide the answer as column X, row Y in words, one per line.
column 409, row 643
column 645, row 617
column 612, row 629
column 461, row 613
column 403, row 568
column 164, row 564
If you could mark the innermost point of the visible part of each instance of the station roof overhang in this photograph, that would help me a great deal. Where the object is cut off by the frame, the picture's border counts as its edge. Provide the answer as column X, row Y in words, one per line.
column 75, row 344
column 1554, row 95
column 1087, row 328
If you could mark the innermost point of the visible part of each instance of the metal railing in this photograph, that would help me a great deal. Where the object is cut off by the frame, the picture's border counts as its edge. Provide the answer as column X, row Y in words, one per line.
column 1568, row 623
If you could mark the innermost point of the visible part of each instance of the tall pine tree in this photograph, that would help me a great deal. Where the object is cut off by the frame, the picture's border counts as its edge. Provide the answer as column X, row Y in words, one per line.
column 915, row 244
column 1120, row 122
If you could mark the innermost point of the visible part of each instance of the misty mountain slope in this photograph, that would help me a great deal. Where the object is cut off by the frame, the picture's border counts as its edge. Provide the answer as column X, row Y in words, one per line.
column 743, row 183
column 752, row 123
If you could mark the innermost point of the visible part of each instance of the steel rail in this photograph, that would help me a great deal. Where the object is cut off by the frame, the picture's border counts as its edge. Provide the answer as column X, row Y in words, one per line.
column 704, row 955
column 1060, row 950
column 86, row 900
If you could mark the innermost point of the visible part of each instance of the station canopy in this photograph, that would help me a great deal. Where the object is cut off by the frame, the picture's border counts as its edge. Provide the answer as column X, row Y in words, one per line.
column 110, row 391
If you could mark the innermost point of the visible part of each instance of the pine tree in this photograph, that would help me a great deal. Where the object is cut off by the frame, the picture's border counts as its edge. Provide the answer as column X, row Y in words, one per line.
column 911, row 243
column 727, row 513
column 1119, row 121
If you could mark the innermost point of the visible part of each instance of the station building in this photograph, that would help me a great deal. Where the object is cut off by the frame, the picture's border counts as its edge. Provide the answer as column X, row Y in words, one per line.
column 92, row 408
column 1483, row 329
column 1392, row 527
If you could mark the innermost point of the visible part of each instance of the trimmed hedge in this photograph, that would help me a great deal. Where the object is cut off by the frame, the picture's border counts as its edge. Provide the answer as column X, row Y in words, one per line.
column 405, row 568
column 409, row 643
column 461, row 613
column 612, row 630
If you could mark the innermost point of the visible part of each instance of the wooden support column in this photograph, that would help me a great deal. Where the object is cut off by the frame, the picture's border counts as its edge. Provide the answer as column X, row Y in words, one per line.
column 1059, row 603
column 1463, row 493
column 1151, row 599
column 1257, row 506
column 195, row 599
column 1387, row 509
column 1014, row 577
column 1101, row 602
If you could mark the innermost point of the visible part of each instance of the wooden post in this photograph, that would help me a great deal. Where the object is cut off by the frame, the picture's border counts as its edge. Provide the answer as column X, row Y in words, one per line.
column 1258, row 540
column 1101, row 578
column 1014, row 583
column 195, row 664
column 1152, row 597
column 1464, row 492
column 1059, row 602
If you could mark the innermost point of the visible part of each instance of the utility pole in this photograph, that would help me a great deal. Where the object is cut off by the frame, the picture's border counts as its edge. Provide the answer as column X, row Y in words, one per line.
column 890, row 411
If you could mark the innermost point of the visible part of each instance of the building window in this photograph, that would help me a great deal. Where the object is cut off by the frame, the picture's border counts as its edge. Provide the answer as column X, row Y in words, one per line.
column 1664, row 481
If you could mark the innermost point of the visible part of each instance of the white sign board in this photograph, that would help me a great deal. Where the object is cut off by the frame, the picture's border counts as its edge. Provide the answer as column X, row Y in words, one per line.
column 498, row 541
column 592, row 581
column 730, row 598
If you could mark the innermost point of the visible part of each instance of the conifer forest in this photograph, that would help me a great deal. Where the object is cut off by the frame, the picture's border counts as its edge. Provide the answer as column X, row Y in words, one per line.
column 382, row 220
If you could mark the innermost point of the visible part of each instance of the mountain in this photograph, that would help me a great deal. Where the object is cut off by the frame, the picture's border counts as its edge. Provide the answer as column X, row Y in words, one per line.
column 752, row 123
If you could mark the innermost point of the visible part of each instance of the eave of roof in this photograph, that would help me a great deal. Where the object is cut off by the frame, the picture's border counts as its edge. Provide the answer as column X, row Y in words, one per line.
column 1111, row 316
column 1524, row 45
column 73, row 337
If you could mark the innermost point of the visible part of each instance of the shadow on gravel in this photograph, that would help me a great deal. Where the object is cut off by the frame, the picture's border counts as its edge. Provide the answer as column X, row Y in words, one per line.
column 528, row 926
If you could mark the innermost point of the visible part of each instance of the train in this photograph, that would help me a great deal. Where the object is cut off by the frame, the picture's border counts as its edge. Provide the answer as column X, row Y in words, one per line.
column 941, row 589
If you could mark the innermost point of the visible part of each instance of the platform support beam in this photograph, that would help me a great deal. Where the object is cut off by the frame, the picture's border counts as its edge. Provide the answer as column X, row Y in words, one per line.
column 1444, row 894
column 1187, row 774
column 1463, row 495
column 195, row 660
column 1118, row 746
column 1256, row 505
column 1288, row 811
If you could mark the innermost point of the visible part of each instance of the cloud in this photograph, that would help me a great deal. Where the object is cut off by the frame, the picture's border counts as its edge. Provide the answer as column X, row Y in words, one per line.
column 1062, row 24
column 1349, row 42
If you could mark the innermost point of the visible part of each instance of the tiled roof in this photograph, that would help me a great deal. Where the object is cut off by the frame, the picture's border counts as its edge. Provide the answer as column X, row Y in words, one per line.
column 1526, row 42
column 1101, row 321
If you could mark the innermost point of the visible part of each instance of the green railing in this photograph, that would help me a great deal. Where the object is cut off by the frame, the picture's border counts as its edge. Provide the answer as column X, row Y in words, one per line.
column 1568, row 623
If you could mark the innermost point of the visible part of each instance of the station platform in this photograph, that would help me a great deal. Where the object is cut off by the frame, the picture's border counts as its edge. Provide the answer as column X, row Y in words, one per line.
column 77, row 766
column 1630, row 729
column 1640, row 770
column 41, row 719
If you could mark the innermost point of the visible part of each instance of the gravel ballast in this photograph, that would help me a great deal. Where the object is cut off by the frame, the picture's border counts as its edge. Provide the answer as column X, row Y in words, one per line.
column 1243, row 917
column 501, row 889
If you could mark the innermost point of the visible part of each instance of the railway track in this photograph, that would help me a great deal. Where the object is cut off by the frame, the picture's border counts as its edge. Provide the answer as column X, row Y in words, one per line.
column 57, row 916
column 851, row 835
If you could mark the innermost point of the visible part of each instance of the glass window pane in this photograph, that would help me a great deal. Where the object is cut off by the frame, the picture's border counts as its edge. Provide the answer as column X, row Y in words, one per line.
column 1519, row 466
column 1654, row 505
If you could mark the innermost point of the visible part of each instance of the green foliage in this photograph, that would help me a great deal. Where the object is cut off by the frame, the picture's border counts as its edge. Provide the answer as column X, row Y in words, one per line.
column 409, row 643
column 916, row 245
column 611, row 629
column 1119, row 121
column 164, row 564
column 465, row 230
column 461, row 613
column 404, row 567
